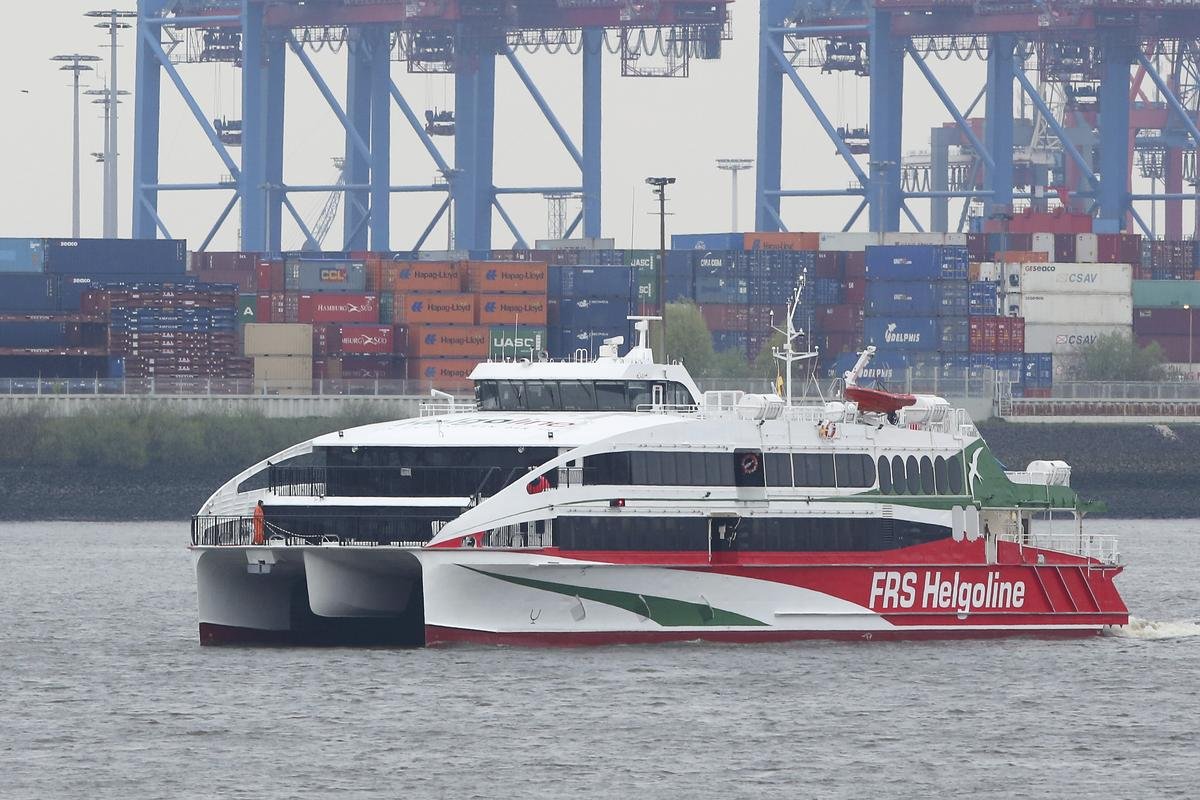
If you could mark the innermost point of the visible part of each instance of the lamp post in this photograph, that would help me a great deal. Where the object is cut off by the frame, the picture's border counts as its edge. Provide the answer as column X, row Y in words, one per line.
column 659, row 187
column 733, row 166
column 75, row 63
column 111, row 21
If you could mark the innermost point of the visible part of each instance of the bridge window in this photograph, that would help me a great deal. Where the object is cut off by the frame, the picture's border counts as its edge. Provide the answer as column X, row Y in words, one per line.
column 576, row 395
column 827, row 534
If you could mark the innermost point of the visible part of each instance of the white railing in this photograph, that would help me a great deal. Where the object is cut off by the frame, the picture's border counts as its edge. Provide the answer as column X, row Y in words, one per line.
column 429, row 409
column 1101, row 547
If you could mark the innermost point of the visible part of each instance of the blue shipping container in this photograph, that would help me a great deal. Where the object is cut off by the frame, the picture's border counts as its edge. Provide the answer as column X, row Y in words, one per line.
column 116, row 366
column 827, row 291
column 901, row 298
column 26, row 292
column 905, row 334
column 32, row 334
column 708, row 241
column 714, row 289
column 143, row 257
column 983, row 299
column 724, row 341
column 602, row 312
column 889, row 368
column 956, row 363
column 917, row 263
column 954, row 334
column 22, row 255
column 585, row 282
column 720, row 263
column 565, row 341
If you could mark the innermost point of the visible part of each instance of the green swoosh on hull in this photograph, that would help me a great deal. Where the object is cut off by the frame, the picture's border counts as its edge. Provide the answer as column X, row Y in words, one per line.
column 665, row 611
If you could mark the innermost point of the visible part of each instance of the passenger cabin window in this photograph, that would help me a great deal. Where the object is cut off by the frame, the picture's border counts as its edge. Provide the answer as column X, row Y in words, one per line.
column 744, row 468
column 578, row 395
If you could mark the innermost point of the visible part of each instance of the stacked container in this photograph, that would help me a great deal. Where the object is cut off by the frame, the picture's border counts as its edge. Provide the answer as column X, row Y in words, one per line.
column 282, row 355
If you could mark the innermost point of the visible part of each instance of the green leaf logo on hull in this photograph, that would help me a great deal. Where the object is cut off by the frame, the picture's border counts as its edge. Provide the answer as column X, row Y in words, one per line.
column 665, row 611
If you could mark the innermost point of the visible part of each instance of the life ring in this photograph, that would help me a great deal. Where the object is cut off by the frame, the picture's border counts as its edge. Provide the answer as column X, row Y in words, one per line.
column 468, row 541
column 749, row 463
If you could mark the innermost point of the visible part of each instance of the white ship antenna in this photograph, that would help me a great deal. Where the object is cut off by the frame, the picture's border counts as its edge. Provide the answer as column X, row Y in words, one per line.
column 851, row 375
column 642, row 326
column 788, row 353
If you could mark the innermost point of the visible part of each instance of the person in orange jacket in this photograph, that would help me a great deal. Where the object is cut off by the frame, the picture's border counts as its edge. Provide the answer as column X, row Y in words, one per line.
column 259, row 524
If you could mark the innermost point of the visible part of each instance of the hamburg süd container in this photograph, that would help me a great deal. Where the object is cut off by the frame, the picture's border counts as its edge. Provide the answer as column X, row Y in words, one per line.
column 364, row 339
column 1077, row 309
column 337, row 307
column 1054, row 278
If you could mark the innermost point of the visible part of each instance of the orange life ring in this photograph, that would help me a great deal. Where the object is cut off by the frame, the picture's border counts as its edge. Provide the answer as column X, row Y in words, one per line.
column 749, row 463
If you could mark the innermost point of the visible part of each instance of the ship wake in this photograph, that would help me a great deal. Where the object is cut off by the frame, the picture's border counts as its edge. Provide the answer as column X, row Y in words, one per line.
column 1150, row 629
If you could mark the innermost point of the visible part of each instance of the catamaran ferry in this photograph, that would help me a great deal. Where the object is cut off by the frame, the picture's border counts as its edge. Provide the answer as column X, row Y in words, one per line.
column 609, row 500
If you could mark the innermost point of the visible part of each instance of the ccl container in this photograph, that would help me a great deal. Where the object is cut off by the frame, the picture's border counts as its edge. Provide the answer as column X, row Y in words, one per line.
column 516, row 341
column 509, row 309
column 917, row 263
column 418, row 309
column 1060, row 339
column 523, row 277
column 592, row 282
column 22, row 255
column 443, row 341
column 707, row 241
column 905, row 334
column 1168, row 321
column 146, row 257
column 442, row 372
column 1077, row 309
column 325, row 276
column 364, row 339
column 1155, row 294
column 1077, row 278
column 890, row 368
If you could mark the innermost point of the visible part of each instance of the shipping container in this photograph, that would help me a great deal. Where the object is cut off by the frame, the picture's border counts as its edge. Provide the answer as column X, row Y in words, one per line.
column 1043, row 242
column 902, row 334
column 953, row 335
column 1181, row 349
column 525, row 277
column 725, row 317
column 442, row 372
column 364, row 339
column 1058, row 278
column 890, row 368
column 278, row 339
column 1087, row 248
column 926, row 239
column 564, row 342
column 147, row 257
column 336, row 307
column 22, row 255
column 600, row 313
column 781, row 241
column 516, row 341
column 325, row 276
column 247, row 309
column 1169, row 321
column 509, row 309
column 848, row 242
column 1068, row 338
column 27, row 292
column 269, row 277
column 839, row 319
column 1155, row 294
column 717, row 289
column 418, row 309
column 708, row 241
column 916, row 263
column 290, row 373
column 443, row 341
column 1077, row 309
column 592, row 282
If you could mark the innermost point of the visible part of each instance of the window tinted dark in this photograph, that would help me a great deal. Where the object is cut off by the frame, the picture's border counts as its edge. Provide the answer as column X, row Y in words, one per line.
column 885, row 475
column 779, row 469
column 927, row 482
column 576, row 395
column 939, row 475
column 832, row 534
column 955, row 470
column 912, row 474
column 899, row 481
column 631, row 533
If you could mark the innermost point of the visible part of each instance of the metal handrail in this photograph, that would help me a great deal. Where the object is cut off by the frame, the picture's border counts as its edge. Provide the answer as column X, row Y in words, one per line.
column 390, row 481
column 1098, row 547
column 355, row 530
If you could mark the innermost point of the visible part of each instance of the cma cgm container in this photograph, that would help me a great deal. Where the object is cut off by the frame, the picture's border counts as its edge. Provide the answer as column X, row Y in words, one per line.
column 325, row 276
column 22, row 255
column 902, row 333
column 917, row 263
column 443, row 341
column 502, row 309
column 414, row 309
column 157, row 257
column 519, row 341
column 1077, row 278
column 1077, row 309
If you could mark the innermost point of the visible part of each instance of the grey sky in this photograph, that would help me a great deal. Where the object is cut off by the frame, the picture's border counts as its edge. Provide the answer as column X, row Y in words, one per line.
column 651, row 126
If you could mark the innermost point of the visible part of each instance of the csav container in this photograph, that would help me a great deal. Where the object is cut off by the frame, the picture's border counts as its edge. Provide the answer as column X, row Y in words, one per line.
column 1077, row 278
column 1061, row 339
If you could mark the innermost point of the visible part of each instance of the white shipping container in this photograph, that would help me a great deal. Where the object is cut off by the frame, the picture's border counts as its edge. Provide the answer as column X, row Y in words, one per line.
column 988, row 271
column 1066, row 368
column 1087, row 248
column 1044, row 243
column 1077, row 309
column 855, row 242
column 277, row 339
column 1075, row 279
column 1065, row 339
column 930, row 238
column 1010, row 303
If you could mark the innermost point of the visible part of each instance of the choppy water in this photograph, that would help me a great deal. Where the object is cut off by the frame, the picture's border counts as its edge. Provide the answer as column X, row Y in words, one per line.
column 104, row 693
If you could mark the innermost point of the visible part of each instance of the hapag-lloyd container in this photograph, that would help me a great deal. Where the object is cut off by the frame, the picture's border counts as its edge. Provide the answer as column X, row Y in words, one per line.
column 443, row 341
column 364, row 339
column 442, row 371
column 526, row 277
column 520, row 341
column 1077, row 278
column 902, row 333
column 334, row 307
column 1077, row 309
column 325, row 276
column 416, row 276
column 1060, row 339
column 416, row 309
column 507, row 309
column 781, row 241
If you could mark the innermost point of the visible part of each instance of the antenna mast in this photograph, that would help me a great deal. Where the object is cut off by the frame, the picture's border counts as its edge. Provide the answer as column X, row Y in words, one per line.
column 788, row 354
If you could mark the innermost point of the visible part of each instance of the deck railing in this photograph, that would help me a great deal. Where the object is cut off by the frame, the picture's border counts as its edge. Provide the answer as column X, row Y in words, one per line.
column 399, row 530
column 1101, row 547
column 388, row 481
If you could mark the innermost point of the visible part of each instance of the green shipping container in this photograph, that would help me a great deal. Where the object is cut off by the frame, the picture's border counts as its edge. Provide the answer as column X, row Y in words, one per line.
column 247, row 308
column 509, row 341
column 1166, row 294
column 387, row 307
column 645, row 274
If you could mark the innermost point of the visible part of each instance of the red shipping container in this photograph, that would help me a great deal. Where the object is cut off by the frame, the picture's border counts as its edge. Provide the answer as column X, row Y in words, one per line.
column 417, row 309
column 525, row 277
column 854, row 265
column 1175, row 349
column 855, row 291
column 365, row 339
column 444, row 341
column 846, row 318
column 509, row 309
column 1003, row 336
column 362, row 367
column 337, row 307
column 421, row 276
column 324, row 339
column 1064, row 248
column 269, row 276
column 1164, row 321
column 1017, row 334
column 761, row 318
column 982, row 332
column 723, row 317
column 442, row 372
column 829, row 264
column 977, row 245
